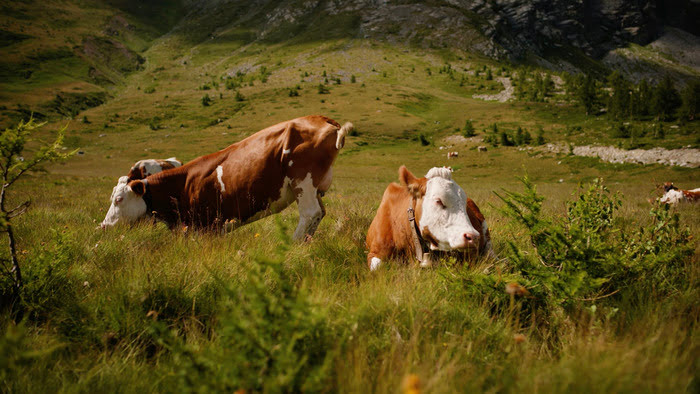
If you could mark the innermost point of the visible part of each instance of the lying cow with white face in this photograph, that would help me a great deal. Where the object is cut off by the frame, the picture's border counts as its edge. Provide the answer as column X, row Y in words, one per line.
column 251, row 179
column 443, row 219
column 143, row 168
column 674, row 195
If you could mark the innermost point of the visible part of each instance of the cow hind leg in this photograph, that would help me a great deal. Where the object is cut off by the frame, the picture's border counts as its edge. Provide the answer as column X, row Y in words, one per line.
column 311, row 211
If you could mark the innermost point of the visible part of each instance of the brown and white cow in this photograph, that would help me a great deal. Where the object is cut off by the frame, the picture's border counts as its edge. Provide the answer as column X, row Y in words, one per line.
column 260, row 175
column 674, row 195
column 143, row 168
column 445, row 219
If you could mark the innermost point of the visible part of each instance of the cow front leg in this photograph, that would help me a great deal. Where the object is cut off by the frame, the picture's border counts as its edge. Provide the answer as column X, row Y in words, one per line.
column 311, row 211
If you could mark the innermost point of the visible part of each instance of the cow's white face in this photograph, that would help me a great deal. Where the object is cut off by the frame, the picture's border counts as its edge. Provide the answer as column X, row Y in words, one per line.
column 444, row 212
column 673, row 196
column 127, row 206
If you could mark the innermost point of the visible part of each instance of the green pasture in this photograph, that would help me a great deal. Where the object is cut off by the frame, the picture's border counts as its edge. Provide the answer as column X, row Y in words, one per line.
column 149, row 309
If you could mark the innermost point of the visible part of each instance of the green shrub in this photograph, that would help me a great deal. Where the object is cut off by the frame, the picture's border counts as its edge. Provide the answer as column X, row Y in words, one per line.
column 423, row 140
column 149, row 90
column 293, row 93
column 270, row 338
column 206, row 100
column 322, row 89
column 230, row 84
column 620, row 131
column 585, row 255
column 49, row 288
column 239, row 96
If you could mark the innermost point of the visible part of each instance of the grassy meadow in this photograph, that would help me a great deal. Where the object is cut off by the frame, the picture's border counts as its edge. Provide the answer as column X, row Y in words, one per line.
column 147, row 309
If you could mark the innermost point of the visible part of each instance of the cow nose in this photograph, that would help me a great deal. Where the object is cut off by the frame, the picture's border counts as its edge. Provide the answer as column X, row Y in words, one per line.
column 471, row 238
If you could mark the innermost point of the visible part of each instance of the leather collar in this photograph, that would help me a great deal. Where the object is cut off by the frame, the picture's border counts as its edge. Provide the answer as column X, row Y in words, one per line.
column 419, row 243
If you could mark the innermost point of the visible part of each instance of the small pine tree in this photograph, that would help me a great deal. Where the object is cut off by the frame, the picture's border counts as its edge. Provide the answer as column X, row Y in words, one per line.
column 353, row 79
column 322, row 89
column 293, row 93
column 206, row 100
column 527, row 138
column 489, row 75
column 423, row 140
column 505, row 141
column 468, row 129
column 659, row 132
column 519, row 137
column 540, row 137
column 239, row 96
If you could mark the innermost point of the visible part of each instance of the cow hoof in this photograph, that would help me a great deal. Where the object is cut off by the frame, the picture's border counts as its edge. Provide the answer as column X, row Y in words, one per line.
column 375, row 263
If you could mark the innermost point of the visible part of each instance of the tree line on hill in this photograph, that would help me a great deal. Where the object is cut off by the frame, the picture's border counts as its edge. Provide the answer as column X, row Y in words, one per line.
column 628, row 100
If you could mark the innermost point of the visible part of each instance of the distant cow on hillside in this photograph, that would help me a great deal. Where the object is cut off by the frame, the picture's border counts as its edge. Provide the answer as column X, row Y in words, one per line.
column 251, row 179
column 674, row 195
column 426, row 214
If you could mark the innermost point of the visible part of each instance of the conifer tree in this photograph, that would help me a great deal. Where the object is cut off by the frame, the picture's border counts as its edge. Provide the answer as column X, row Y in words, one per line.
column 691, row 100
column 665, row 99
column 586, row 94
column 619, row 100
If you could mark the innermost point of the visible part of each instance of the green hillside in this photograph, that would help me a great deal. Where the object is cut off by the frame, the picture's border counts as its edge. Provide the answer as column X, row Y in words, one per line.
column 612, row 307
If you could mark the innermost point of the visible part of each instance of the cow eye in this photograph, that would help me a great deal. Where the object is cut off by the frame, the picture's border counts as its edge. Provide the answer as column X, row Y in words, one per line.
column 118, row 199
column 439, row 203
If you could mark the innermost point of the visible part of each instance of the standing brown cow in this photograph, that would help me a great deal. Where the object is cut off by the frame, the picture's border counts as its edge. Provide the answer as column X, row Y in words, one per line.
column 260, row 175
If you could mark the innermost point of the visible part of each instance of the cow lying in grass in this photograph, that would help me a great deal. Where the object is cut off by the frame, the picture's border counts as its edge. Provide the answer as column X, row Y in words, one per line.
column 420, row 214
column 674, row 195
column 260, row 175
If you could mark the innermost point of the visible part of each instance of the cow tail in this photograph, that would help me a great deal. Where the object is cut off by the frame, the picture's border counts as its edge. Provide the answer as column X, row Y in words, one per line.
column 346, row 129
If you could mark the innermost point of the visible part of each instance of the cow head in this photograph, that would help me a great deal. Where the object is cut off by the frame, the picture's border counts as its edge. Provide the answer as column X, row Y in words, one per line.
column 669, row 186
column 127, row 203
column 441, row 209
column 138, row 171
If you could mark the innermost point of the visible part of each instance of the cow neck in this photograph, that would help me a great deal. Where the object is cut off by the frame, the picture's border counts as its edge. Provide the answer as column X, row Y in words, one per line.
column 419, row 244
column 160, row 185
column 147, row 197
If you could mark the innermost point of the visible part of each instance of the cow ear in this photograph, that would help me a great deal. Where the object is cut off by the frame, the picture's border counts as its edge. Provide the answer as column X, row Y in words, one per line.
column 415, row 185
column 138, row 187
column 405, row 176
